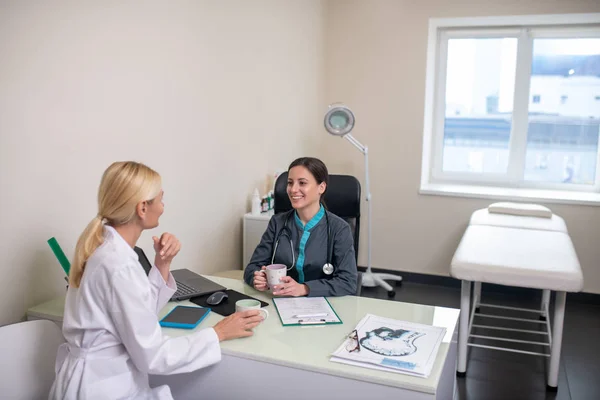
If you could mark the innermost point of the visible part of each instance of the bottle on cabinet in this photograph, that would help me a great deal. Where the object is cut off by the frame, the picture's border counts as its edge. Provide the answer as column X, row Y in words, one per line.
column 256, row 204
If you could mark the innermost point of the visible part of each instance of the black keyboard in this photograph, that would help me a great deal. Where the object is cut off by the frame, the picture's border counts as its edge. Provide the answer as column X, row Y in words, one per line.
column 184, row 290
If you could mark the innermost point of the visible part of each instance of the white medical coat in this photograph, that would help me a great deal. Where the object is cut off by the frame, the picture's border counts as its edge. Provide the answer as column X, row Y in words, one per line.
column 113, row 338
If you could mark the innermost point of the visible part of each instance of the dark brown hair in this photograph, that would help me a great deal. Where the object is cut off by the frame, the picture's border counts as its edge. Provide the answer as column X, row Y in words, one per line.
column 315, row 166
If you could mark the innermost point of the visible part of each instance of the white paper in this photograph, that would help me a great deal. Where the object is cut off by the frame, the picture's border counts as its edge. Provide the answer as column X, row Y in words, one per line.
column 305, row 310
column 390, row 344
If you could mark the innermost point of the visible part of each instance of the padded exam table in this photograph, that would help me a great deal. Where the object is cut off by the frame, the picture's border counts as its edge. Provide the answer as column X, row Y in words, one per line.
column 523, row 245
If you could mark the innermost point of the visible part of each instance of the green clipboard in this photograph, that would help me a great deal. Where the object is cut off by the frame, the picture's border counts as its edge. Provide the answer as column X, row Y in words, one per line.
column 308, row 321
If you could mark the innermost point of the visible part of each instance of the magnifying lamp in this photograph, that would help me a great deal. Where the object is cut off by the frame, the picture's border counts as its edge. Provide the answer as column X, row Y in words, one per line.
column 339, row 121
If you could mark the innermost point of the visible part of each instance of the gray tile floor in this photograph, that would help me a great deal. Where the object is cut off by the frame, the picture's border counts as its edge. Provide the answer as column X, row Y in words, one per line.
column 493, row 374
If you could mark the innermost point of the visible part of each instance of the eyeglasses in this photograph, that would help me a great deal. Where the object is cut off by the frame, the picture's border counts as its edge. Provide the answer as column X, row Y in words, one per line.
column 353, row 343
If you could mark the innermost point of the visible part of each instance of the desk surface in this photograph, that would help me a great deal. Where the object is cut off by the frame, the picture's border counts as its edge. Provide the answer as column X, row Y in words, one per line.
column 309, row 347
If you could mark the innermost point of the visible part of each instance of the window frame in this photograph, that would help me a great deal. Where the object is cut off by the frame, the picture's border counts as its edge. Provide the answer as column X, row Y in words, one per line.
column 526, row 29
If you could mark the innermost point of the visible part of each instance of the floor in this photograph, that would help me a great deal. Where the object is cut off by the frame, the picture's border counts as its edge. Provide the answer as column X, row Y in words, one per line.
column 493, row 374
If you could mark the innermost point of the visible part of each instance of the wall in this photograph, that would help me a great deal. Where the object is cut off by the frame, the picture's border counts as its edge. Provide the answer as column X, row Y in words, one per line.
column 214, row 95
column 375, row 63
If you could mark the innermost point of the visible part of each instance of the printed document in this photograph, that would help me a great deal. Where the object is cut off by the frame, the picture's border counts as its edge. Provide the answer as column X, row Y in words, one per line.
column 305, row 310
column 391, row 345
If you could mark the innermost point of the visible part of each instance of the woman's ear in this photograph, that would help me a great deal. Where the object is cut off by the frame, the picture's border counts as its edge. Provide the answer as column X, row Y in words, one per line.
column 322, row 187
column 141, row 209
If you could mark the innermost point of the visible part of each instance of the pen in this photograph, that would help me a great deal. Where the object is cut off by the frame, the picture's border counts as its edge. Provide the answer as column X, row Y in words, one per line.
column 311, row 315
column 301, row 322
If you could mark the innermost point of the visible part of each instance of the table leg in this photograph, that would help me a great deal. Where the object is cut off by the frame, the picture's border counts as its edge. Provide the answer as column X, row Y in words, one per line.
column 477, row 295
column 545, row 304
column 557, row 331
column 463, row 329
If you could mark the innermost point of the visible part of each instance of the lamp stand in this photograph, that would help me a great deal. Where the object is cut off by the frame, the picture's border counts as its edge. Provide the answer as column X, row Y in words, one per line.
column 370, row 279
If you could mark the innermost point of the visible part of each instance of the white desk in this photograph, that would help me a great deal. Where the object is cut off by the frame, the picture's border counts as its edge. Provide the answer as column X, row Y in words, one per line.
column 52, row 310
column 293, row 362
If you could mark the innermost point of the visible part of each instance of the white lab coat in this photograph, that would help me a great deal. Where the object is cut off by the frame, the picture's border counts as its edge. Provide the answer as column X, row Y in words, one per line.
column 113, row 339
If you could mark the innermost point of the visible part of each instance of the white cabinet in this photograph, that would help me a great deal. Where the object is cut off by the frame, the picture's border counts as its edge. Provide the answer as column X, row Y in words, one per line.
column 253, row 229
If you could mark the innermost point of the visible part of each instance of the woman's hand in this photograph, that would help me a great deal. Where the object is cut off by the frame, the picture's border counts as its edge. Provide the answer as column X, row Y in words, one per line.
column 260, row 280
column 166, row 249
column 289, row 287
column 238, row 325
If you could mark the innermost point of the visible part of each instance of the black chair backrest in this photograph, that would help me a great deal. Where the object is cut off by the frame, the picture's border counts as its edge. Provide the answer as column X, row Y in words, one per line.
column 342, row 198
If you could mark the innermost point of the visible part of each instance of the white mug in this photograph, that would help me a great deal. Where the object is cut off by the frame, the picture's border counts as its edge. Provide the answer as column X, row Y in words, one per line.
column 274, row 274
column 250, row 304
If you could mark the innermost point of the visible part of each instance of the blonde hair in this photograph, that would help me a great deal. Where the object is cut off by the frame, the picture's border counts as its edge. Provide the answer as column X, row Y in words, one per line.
column 123, row 186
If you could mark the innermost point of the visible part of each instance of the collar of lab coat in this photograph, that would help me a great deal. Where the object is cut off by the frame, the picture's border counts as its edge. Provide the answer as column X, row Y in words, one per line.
column 314, row 220
column 111, row 234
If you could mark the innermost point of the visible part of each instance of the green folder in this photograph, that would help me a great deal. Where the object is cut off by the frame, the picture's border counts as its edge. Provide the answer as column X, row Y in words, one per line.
column 60, row 255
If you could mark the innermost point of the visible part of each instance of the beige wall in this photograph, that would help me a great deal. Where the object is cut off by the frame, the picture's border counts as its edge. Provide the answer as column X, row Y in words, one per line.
column 375, row 62
column 215, row 95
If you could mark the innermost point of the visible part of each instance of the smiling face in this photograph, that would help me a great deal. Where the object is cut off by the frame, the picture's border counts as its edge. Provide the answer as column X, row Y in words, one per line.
column 303, row 189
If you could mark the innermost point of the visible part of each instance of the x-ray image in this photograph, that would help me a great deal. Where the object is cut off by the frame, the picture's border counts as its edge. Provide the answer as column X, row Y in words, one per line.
column 390, row 342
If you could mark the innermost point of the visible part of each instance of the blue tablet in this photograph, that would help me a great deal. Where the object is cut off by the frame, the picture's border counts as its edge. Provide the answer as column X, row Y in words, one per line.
column 185, row 317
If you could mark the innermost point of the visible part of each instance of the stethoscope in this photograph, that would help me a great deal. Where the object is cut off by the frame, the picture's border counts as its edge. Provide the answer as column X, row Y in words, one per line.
column 327, row 267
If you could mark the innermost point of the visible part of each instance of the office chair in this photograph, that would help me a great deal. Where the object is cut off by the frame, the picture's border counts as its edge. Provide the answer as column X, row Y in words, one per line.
column 29, row 352
column 342, row 198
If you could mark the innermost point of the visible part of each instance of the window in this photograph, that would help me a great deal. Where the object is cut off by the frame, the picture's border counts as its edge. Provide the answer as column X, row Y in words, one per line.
column 510, row 103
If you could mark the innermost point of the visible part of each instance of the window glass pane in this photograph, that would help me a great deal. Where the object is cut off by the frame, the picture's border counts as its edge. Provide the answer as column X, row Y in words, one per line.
column 480, row 79
column 562, row 139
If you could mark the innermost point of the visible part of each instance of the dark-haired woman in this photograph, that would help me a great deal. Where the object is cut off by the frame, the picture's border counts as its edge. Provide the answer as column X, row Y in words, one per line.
column 316, row 246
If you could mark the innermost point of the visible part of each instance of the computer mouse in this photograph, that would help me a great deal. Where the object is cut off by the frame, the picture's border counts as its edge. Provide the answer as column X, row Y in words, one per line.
column 216, row 298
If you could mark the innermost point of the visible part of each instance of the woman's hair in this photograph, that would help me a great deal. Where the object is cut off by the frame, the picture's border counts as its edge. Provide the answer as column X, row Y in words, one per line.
column 315, row 166
column 123, row 186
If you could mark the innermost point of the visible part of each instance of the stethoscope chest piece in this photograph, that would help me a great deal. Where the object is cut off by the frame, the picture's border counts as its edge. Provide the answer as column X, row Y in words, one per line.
column 328, row 269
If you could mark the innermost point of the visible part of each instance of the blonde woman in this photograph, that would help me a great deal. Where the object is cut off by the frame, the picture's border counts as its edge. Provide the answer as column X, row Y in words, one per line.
column 113, row 338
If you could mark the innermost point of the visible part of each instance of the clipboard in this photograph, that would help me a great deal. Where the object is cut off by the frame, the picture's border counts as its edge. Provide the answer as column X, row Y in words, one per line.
column 305, row 311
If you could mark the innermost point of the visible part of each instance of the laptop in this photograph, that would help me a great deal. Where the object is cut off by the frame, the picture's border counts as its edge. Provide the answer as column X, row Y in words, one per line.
column 189, row 284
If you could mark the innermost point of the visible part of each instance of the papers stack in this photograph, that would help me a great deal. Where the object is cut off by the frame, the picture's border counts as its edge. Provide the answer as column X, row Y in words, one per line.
column 391, row 345
column 305, row 311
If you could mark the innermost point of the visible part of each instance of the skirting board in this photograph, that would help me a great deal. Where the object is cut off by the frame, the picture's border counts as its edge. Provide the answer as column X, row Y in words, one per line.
column 447, row 281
